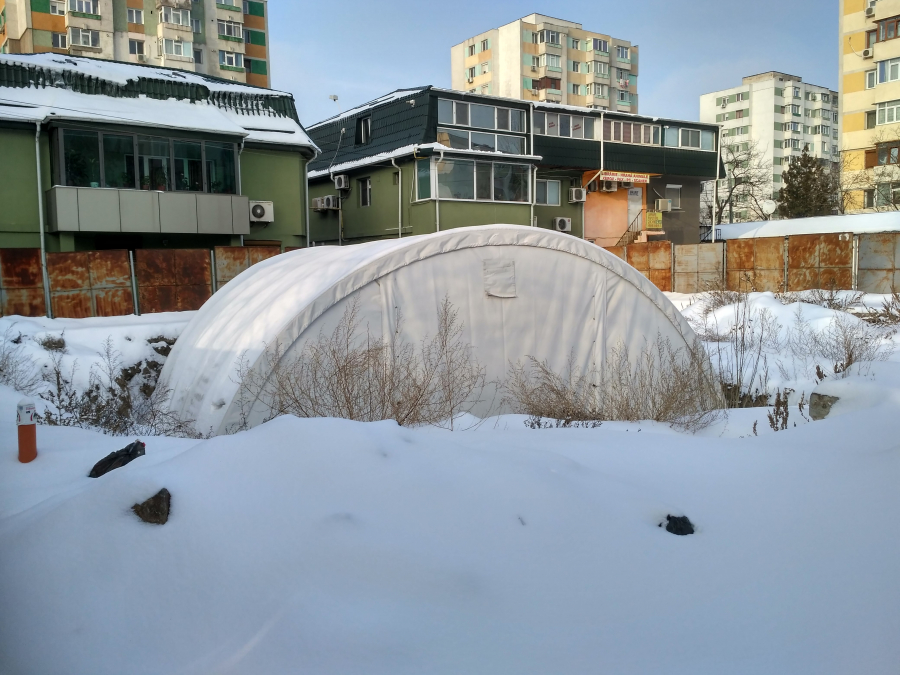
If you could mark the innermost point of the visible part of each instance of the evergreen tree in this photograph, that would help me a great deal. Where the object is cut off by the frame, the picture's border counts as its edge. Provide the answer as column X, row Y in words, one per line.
column 808, row 189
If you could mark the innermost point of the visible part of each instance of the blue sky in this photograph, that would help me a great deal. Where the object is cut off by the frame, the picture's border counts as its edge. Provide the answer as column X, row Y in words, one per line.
column 360, row 50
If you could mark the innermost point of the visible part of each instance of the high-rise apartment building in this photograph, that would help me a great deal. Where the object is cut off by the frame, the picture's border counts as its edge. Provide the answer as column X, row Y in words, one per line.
column 870, row 103
column 225, row 38
column 539, row 58
column 780, row 116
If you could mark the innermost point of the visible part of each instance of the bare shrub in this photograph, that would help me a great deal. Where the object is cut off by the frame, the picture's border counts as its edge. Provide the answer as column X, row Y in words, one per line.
column 353, row 375
column 715, row 295
column 115, row 402
column 848, row 341
column 778, row 416
column 829, row 298
column 660, row 383
column 17, row 370
column 888, row 315
column 53, row 343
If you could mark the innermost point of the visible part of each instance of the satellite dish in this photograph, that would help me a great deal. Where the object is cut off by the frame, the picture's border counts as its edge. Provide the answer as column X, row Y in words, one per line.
column 769, row 207
column 333, row 97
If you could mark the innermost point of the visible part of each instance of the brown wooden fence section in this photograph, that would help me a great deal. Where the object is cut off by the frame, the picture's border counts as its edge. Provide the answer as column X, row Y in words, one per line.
column 172, row 280
column 90, row 283
column 232, row 260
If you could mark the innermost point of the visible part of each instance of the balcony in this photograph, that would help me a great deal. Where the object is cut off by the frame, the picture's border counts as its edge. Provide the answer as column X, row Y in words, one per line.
column 176, row 4
column 550, row 95
column 73, row 209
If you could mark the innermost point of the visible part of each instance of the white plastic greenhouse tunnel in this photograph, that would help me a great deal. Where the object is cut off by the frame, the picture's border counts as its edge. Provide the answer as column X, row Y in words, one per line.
column 519, row 291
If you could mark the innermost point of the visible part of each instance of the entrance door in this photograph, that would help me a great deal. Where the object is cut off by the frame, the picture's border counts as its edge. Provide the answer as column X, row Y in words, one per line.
column 635, row 204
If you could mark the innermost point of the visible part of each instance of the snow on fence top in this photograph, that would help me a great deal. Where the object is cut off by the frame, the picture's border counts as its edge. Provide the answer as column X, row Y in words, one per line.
column 859, row 223
column 38, row 87
column 558, row 296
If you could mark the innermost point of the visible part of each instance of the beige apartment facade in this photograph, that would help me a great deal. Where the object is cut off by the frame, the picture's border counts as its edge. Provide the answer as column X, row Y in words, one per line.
column 781, row 116
column 870, row 103
column 541, row 58
column 223, row 38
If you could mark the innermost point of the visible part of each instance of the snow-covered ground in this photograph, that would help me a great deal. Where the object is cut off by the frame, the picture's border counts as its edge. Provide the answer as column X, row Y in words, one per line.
column 329, row 546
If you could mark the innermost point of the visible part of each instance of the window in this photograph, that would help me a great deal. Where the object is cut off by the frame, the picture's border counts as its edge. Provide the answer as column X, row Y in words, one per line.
column 485, row 68
column 869, row 199
column 118, row 161
column 59, row 41
column 188, row 166
column 136, row 47
column 690, row 138
column 58, row 7
column 135, row 15
column 574, row 89
column 85, row 38
column 889, row 112
column 622, row 97
column 599, row 68
column 598, row 90
column 511, row 182
column 365, row 191
column 220, row 168
column 575, row 66
column 81, row 154
column 198, row 56
column 539, row 123
column 551, row 61
column 888, row 29
column 888, row 71
column 482, row 116
column 889, row 153
column 178, row 48
column 547, row 192
column 363, row 130
column 230, row 29
column 465, row 179
column 622, row 53
column 871, row 38
column 196, row 26
column 826, row 98
column 576, row 45
column 153, row 163
column 673, row 192
column 549, row 36
column 887, row 194
column 484, row 45
column 601, row 46
column 178, row 17
column 423, row 179
column 792, row 126
column 471, row 50
column 230, row 59
column 84, row 6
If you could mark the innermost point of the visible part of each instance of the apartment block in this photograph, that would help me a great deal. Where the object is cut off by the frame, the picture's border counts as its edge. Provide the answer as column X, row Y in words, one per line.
column 540, row 58
column 783, row 116
column 223, row 38
column 870, row 102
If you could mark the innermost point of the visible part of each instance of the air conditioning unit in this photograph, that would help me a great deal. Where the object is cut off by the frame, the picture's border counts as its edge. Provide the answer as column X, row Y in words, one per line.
column 870, row 12
column 469, row 80
column 262, row 212
column 317, row 204
column 626, row 184
column 562, row 224
column 593, row 186
column 534, row 92
column 534, row 69
column 664, row 205
column 332, row 202
column 610, row 186
column 724, row 103
column 867, row 53
column 342, row 182
column 142, row 58
column 577, row 195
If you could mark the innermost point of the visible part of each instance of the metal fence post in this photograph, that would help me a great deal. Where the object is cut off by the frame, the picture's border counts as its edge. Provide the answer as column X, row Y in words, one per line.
column 134, row 291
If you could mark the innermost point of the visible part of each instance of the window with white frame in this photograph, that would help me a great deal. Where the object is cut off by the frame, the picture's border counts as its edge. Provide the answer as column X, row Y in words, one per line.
column 177, row 17
column 576, row 44
column 598, row 90
column 482, row 181
column 365, row 191
column 58, row 7
column 178, row 48
column 622, row 53
column 623, row 97
column 135, row 15
column 888, row 112
column 230, row 29
column 673, row 192
column 690, row 138
column 574, row 89
column 575, row 66
column 464, row 114
column 547, row 192
column 230, row 59
column 59, row 41
column 485, row 68
column 599, row 68
column 82, row 37
column 470, row 51
column 196, row 26
column 551, row 61
column 871, row 79
column 136, row 47
column 888, row 71
column 549, row 36
column 601, row 45
column 826, row 98
column 84, row 6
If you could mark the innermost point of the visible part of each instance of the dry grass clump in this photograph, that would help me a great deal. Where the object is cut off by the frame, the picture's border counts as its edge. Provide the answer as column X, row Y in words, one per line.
column 660, row 383
column 17, row 370
column 353, row 375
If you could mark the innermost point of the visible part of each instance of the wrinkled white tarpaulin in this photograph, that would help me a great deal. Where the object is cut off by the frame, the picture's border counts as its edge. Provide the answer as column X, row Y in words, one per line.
column 520, row 291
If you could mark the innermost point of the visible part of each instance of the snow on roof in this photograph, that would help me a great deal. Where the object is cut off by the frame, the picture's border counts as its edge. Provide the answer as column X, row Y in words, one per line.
column 858, row 223
column 41, row 104
column 387, row 98
column 275, row 301
column 410, row 149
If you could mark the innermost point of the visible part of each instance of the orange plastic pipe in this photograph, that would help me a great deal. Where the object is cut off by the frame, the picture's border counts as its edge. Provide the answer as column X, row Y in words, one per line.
column 25, row 420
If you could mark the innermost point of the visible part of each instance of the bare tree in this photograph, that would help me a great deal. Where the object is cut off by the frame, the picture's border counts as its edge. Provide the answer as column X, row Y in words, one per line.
column 748, row 183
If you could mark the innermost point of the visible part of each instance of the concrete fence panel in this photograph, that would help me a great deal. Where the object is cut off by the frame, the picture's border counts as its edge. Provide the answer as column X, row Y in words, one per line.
column 877, row 263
